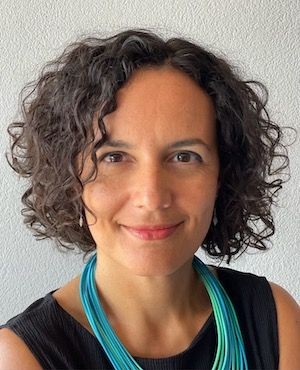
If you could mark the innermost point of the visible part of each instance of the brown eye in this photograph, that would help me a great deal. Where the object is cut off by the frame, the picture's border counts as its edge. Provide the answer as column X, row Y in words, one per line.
column 113, row 157
column 186, row 156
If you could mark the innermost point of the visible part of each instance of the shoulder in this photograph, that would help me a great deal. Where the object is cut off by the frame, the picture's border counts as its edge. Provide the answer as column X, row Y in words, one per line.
column 14, row 354
column 288, row 318
column 255, row 293
column 20, row 336
column 243, row 285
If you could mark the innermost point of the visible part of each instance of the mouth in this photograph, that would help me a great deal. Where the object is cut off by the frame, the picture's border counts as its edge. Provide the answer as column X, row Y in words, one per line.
column 156, row 232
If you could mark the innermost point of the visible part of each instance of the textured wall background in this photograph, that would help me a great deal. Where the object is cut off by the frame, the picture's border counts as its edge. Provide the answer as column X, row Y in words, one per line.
column 261, row 37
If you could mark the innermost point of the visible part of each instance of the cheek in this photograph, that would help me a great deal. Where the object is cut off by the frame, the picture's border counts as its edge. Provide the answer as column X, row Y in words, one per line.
column 203, row 191
column 101, row 199
column 199, row 202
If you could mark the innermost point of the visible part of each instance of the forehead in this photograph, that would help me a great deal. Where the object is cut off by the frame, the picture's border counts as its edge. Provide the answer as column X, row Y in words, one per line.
column 164, row 103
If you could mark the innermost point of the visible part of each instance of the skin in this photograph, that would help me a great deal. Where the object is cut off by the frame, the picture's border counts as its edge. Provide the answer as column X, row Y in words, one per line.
column 152, row 284
column 148, row 288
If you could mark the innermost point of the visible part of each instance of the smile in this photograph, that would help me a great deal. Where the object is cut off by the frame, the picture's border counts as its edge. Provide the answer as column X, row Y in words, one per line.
column 147, row 234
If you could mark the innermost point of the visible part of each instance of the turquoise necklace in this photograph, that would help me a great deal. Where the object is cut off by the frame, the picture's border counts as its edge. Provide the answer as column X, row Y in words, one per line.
column 230, row 349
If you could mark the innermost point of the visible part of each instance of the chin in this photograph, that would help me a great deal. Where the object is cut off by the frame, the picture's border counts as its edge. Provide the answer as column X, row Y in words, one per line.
column 154, row 265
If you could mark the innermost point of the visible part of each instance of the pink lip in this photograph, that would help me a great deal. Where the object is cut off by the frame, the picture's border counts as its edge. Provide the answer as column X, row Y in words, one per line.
column 153, row 233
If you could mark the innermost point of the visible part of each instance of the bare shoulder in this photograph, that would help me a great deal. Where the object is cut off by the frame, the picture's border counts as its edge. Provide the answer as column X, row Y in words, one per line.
column 288, row 317
column 14, row 354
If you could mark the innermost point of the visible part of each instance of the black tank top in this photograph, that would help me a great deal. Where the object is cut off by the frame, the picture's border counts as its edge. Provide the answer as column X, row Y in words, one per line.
column 58, row 341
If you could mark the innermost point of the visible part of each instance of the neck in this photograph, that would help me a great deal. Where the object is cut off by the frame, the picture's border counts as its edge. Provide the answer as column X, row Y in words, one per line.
column 150, row 302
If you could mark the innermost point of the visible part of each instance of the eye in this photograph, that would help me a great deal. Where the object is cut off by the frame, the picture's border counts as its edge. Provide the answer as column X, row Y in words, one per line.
column 112, row 157
column 185, row 156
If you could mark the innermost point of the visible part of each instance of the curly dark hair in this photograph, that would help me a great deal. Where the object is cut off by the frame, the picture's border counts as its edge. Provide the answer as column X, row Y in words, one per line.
column 57, row 125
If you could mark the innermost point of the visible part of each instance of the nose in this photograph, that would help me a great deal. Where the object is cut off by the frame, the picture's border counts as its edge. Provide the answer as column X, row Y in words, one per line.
column 153, row 189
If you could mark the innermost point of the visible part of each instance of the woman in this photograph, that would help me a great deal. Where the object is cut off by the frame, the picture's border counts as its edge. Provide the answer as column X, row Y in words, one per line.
column 142, row 150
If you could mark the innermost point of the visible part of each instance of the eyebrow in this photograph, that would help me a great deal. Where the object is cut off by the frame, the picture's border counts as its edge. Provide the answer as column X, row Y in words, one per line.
column 177, row 144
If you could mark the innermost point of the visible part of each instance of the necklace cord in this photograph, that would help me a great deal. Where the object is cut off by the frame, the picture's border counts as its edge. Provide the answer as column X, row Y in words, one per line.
column 230, row 351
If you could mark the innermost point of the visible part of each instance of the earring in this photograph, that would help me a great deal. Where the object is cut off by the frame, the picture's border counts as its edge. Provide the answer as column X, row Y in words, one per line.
column 215, row 220
column 80, row 218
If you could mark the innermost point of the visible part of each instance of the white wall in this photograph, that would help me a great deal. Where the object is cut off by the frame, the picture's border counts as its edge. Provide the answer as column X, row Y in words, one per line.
column 261, row 36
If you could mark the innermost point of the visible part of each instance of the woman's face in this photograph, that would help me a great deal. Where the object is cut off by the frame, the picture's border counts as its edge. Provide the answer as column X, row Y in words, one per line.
column 150, row 178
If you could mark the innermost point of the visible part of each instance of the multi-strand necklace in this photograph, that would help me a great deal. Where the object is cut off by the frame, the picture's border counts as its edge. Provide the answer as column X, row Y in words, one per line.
column 230, row 353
